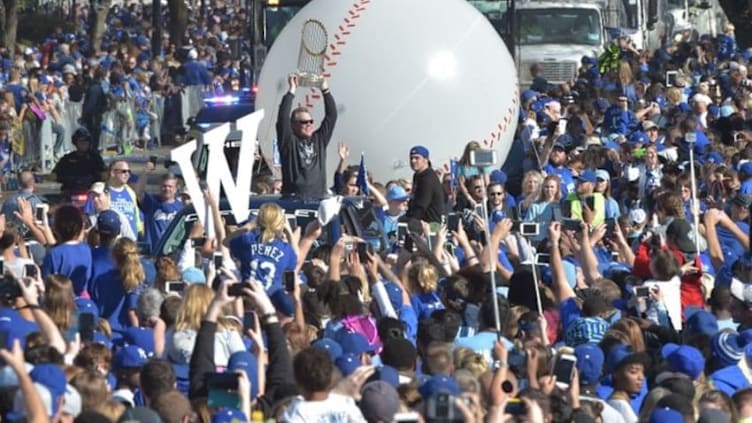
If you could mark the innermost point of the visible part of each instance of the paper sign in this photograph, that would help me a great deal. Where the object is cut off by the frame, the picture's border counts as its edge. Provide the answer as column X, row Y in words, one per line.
column 218, row 173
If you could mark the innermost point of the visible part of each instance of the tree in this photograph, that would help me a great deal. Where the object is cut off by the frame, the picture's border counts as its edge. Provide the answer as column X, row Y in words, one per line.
column 100, row 10
column 9, row 23
column 178, row 21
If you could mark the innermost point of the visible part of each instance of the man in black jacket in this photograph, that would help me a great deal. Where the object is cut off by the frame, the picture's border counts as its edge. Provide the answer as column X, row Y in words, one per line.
column 427, row 202
column 303, row 149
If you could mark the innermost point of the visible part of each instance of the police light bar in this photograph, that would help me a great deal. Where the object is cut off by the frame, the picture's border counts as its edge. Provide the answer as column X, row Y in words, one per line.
column 222, row 100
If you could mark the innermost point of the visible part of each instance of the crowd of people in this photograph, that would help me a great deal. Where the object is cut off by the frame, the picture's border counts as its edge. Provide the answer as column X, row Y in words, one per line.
column 609, row 282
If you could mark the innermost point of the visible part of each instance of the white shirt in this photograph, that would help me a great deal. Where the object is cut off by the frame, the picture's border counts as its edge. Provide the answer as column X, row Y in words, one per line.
column 671, row 293
column 624, row 409
column 335, row 409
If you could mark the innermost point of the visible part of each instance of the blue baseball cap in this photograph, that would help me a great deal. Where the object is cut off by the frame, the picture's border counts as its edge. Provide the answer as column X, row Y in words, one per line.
column 587, row 175
column 396, row 193
column 622, row 355
column 140, row 337
column 355, row 343
column 419, row 150
column 439, row 384
column 108, row 222
column 590, row 360
column 700, row 321
column 498, row 176
column 85, row 305
column 386, row 374
column 330, row 346
column 129, row 357
column 193, row 275
column 347, row 363
column 665, row 415
column 639, row 138
column 684, row 359
column 245, row 361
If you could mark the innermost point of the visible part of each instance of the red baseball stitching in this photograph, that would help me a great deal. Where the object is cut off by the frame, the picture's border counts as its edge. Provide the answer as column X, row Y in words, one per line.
column 340, row 38
column 505, row 120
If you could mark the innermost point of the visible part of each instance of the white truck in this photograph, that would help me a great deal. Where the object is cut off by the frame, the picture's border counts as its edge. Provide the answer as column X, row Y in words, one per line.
column 692, row 18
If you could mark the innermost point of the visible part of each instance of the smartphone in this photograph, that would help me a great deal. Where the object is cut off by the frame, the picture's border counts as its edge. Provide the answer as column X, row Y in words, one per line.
column 223, row 390
column 614, row 256
column 4, row 344
column 86, row 325
column 562, row 128
column 453, row 222
column 175, row 286
column 610, row 227
column 483, row 158
column 590, row 202
column 198, row 242
column 249, row 321
column 363, row 250
column 449, row 248
column 671, row 78
column 564, row 370
column 292, row 221
column 289, row 280
column 738, row 136
column 236, row 289
column 2, row 267
column 515, row 407
column 440, row 407
column 401, row 233
column 571, row 224
column 218, row 258
column 30, row 270
column 39, row 213
column 543, row 259
column 478, row 210
column 529, row 229
column 642, row 291
column 153, row 160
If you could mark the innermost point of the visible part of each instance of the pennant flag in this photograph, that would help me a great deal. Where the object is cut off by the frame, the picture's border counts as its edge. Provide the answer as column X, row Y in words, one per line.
column 363, row 176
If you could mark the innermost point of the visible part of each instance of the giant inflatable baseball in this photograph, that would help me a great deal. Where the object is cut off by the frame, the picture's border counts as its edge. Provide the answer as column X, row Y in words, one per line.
column 403, row 72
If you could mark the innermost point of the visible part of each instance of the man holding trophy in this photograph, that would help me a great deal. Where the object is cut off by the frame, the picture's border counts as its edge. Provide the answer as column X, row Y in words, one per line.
column 302, row 148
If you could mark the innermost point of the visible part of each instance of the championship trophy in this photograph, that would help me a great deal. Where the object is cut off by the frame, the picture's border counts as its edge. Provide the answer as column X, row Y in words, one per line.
column 313, row 43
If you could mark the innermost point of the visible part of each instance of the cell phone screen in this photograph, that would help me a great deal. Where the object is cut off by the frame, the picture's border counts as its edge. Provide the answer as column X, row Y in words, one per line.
column 175, row 286
column 289, row 280
column 30, row 271
column 590, row 201
column 86, row 326
column 39, row 216
column 453, row 222
column 363, row 252
column 218, row 260
column 223, row 390
column 563, row 370
column 401, row 233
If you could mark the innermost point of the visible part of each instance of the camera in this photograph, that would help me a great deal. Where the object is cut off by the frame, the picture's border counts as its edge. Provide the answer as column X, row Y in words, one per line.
column 483, row 158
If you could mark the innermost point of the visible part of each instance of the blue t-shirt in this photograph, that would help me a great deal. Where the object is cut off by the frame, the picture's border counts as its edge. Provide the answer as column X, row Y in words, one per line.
column 157, row 216
column 265, row 262
column 72, row 260
column 121, row 201
column 563, row 172
column 425, row 304
column 114, row 303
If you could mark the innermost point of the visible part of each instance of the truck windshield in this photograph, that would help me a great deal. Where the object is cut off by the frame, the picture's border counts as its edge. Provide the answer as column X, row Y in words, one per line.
column 275, row 18
column 495, row 11
column 559, row 26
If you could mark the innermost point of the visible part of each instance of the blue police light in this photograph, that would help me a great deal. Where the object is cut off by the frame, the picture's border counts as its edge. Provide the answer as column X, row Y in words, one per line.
column 222, row 100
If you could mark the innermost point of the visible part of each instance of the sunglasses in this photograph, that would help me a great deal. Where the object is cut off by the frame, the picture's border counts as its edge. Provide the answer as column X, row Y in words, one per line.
column 306, row 122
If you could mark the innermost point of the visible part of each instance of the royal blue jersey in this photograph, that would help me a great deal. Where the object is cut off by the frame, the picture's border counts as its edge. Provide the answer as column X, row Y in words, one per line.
column 264, row 262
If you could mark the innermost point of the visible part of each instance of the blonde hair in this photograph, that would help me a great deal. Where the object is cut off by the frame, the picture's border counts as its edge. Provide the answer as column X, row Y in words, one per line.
column 195, row 303
column 125, row 253
column 271, row 220
column 423, row 277
column 475, row 363
column 528, row 175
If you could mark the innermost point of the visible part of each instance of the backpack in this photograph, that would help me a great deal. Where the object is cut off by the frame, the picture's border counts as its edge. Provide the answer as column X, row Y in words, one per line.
column 364, row 325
